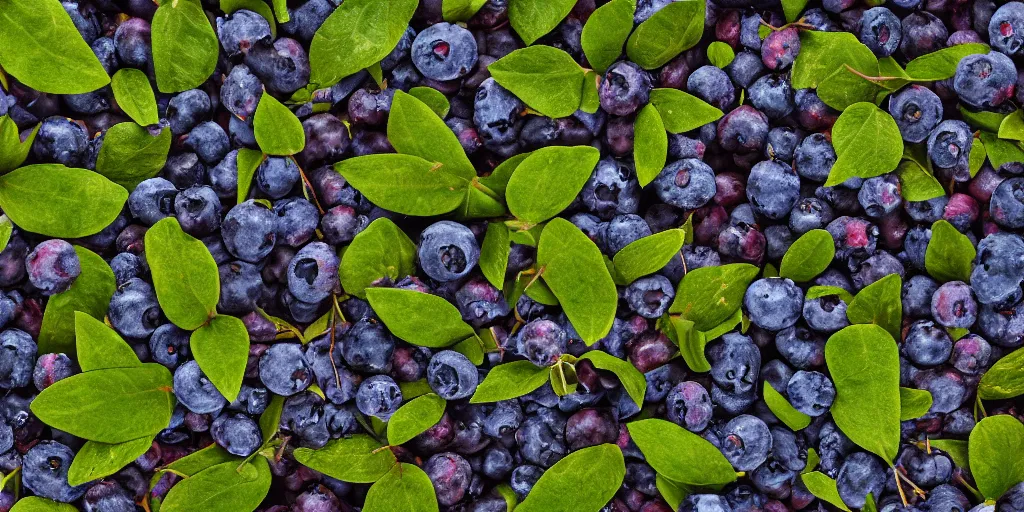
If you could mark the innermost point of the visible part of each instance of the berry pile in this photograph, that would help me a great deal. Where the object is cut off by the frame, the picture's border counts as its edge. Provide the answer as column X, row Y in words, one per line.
column 480, row 255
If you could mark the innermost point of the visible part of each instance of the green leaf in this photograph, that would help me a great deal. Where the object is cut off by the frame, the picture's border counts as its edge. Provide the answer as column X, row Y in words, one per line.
column 432, row 98
column 864, row 362
column 547, row 181
column 591, row 100
column 867, row 143
column 896, row 77
column 97, row 460
column 37, row 504
column 914, row 403
column 406, row 487
column 1012, row 126
column 917, row 184
column 720, row 54
column 415, row 417
column 509, row 380
column 783, row 410
column 281, row 10
column 184, row 273
column 257, row 6
column 982, row 119
column 809, row 256
column 227, row 486
column 675, row 28
column 6, row 229
column 812, row 461
column 822, row 63
column 648, row 254
column 404, row 183
column 1004, row 379
column 680, row 455
column 416, row 388
column 130, row 154
column 99, row 347
column 691, row 343
column 531, row 19
column 547, row 79
column 460, row 10
column 955, row 448
column 793, row 8
column 651, row 144
column 494, row 254
column 90, row 294
column 823, row 488
column 277, row 130
column 472, row 348
column 270, row 420
column 681, row 112
column 419, row 318
column 356, row 459
column 1001, row 151
column 479, row 203
column 606, row 31
column 135, row 96
column 601, row 467
column 200, row 460
column 356, row 35
column 59, row 201
column 413, row 129
column 879, row 303
column 673, row 492
column 977, row 156
column 381, row 250
column 822, row 291
column 996, row 449
column 185, row 47
column 949, row 254
column 221, row 347
column 709, row 295
column 941, row 64
column 497, row 181
column 109, row 406
column 13, row 151
column 40, row 46
column 572, row 266
column 247, row 161
column 632, row 380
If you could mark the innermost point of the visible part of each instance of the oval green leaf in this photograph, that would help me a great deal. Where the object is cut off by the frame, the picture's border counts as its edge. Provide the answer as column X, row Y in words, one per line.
column 809, row 256
column 109, row 406
column 130, row 154
column 710, row 295
column 917, row 184
column 381, row 250
column 996, row 451
column 184, row 273
column 651, row 144
column 548, row 181
column 1004, row 379
column 97, row 460
column 419, row 318
column 357, row 459
column 867, row 143
column 37, row 504
column 914, row 403
column 824, row 488
column 59, row 201
column 865, row 365
column 574, row 270
column 277, row 130
column 201, row 460
column 941, row 64
column 675, row 28
column 135, row 96
column 415, row 417
column 247, row 161
column 681, row 112
column 783, row 410
column 432, row 98
column 632, row 380
column 460, row 10
column 720, row 54
column 680, row 455
column 40, row 46
column 648, row 254
column 601, row 467
column 606, row 31
column 413, row 129
column 358, row 34
column 14, row 151
column 949, row 254
column 509, row 380
column 531, row 19
column 547, row 79
column 879, row 303
column 221, row 347
column 89, row 294
column 185, row 47
column 99, row 347
column 228, row 486
column 404, row 183
column 494, row 254
column 406, row 487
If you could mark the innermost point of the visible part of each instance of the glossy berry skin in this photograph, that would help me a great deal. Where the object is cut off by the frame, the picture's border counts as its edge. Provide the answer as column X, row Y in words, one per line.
column 19, row 357
column 971, row 354
column 241, row 92
column 826, row 313
column 52, row 266
column 541, row 342
column 626, row 87
column 451, row 375
column 45, row 472
column 378, row 396
column 284, row 370
column 773, row 303
column 327, row 139
column 195, row 391
column 62, row 141
column 186, row 110
column 450, row 474
column 686, row 184
column 241, row 30
column 496, row 115
column 713, row 86
column 480, row 303
column 985, row 81
column 240, row 287
column 780, row 48
column 198, row 210
column 923, row 33
column 282, row 67
column 296, row 221
column 772, row 95
column 998, row 269
column 447, row 251
column 621, row 231
column 814, row 158
column 276, row 176
column 744, row 130
column 650, row 296
column 809, row 213
column 313, row 272
column 746, row 442
column 152, row 200
column 612, row 189
column 880, row 31
column 238, row 434
column 51, row 368
column 1007, row 204
column 367, row 346
column 810, row 392
column 773, row 189
column 444, row 52
column 801, row 348
column 917, row 110
column 1006, row 28
column 861, row 474
column 689, row 406
column 735, row 363
column 880, row 195
column 249, row 231
column 132, row 41
column 134, row 310
column 169, row 345
column 953, row 305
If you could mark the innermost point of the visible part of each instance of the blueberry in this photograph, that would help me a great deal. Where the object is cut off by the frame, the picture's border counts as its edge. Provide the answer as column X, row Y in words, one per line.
column 735, row 363
column 195, row 391
column 240, row 287
column 704, row 503
column 1003, row 326
column 801, row 348
column 447, row 251
column 686, row 184
column 854, row 238
column 184, row 170
column 241, row 30
column 971, row 354
column 880, row 30
column 927, row 470
column 626, row 87
column 209, row 141
column 743, row 130
column 307, row 18
column 745, row 68
column 650, row 296
column 1012, row 500
column 198, row 210
column 523, row 479
column 773, row 189
column 811, row 112
column 480, row 303
column 998, row 268
column 861, row 474
column 917, row 110
column 1006, row 28
column 826, row 313
column 276, row 176
column 341, row 224
column 313, row 272
column 238, row 434
column 51, row 368
column 367, row 346
column 169, row 345
column 814, row 158
column 444, row 52
column 541, row 342
column 780, row 48
column 875, row 267
column 52, row 266
column 108, row 496
column 282, row 67
column 1007, row 204
column 336, row 380
column 953, row 305
column 782, row 143
column 249, row 231
column 689, row 406
column 772, row 95
column 451, row 375
column 241, row 92
column 985, row 81
column 923, row 33
column 712, row 85
column 621, row 231
column 773, row 303
column 18, row 361
column 304, row 414
column 134, row 310
column 284, row 370
column 45, row 472
column 496, row 114
column 132, row 40
column 880, row 195
column 187, row 109
column 327, row 139
column 810, row 392
column 541, row 437
column 809, row 213
column 61, row 140
column 746, row 442
column 378, row 396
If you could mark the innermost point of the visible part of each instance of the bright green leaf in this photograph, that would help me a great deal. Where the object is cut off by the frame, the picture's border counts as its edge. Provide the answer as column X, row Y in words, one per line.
column 432, row 98
column 14, row 151
column 783, row 410
column 531, row 19
column 135, row 96
column 1004, row 379
column 675, row 28
column 356, row 35
column 381, row 250
column 720, row 54
column 682, row 112
column 867, row 143
column 89, row 294
column 404, row 183
column 419, row 318
column 184, row 273
column 547, row 181
column 996, row 450
column 221, row 347
column 185, row 47
column 650, row 143
column 509, row 380
column 413, row 129
column 97, row 460
column 356, row 459
column 414, row 417
column 680, row 455
column 949, row 254
column 494, row 254
column 547, row 79
column 277, row 130
column 824, row 488
column 602, row 467
column 130, row 154
column 879, row 303
column 809, row 256
column 632, row 380
column 99, row 347
column 59, row 201
column 709, row 295
column 649, row 254
column 406, row 487
column 228, row 486
column 941, row 64
column 606, row 31
column 914, row 403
